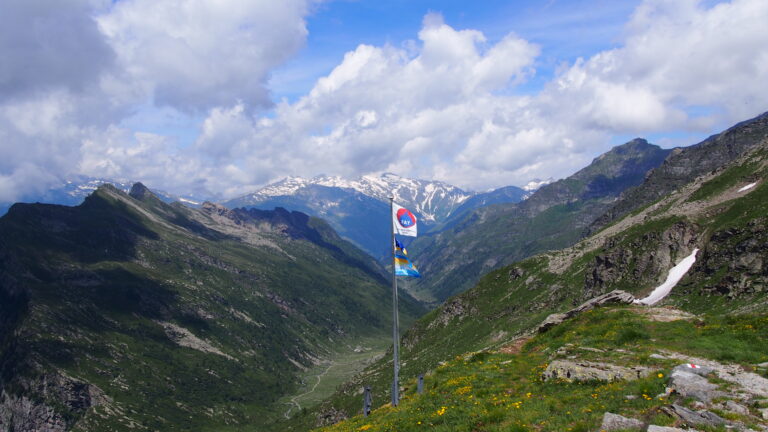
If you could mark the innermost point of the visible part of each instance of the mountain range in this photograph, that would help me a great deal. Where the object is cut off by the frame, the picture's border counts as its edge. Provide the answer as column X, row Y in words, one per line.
column 552, row 217
column 76, row 189
column 129, row 313
column 348, row 205
column 359, row 209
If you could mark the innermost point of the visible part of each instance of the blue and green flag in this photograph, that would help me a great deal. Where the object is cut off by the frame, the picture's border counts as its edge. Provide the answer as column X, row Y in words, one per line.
column 403, row 266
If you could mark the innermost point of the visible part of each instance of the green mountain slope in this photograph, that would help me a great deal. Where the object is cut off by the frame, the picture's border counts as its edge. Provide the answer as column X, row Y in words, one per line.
column 722, row 213
column 126, row 313
column 552, row 218
column 512, row 389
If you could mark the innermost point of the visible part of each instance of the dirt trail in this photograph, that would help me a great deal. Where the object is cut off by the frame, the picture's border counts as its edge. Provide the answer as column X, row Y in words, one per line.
column 293, row 399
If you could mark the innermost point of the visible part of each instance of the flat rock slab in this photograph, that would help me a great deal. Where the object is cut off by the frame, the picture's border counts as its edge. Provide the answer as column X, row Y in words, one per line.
column 570, row 370
column 694, row 418
column 654, row 428
column 689, row 384
column 664, row 314
column 615, row 422
column 749, row 382
column 613, row 297
column 694, row 369
column 736, row 408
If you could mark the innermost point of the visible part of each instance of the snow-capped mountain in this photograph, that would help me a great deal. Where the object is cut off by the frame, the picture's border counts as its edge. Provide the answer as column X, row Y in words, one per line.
column 358, row 209
column 432, row 200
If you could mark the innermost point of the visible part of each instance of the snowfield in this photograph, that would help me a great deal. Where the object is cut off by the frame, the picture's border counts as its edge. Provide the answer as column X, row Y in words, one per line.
column 747, row 187
column 675, row 274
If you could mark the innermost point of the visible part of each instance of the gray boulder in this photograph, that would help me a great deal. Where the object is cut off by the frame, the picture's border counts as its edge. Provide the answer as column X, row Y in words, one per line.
column 551, row 321
column 614, row 422
column 736, row 408
column 654, row 428
column 689, row 384
column 693, row 418
column 694, row 369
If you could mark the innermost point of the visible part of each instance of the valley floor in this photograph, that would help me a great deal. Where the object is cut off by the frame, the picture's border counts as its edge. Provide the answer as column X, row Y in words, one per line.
column 321, row 381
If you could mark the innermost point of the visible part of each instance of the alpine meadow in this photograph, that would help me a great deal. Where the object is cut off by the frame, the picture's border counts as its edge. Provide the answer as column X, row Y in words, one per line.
column 347, row 216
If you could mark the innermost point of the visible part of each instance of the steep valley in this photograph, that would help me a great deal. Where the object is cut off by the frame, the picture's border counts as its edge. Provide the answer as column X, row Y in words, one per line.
column 126, row 313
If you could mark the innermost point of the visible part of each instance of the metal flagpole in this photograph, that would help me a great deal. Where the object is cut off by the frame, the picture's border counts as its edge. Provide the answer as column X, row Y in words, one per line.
column 395, row 318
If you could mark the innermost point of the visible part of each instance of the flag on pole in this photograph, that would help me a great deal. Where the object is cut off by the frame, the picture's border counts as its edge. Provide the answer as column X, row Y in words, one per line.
column 403, row 266
column 404, row 221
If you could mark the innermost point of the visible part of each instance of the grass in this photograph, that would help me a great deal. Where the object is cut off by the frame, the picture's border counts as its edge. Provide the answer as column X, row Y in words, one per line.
column 494, row 391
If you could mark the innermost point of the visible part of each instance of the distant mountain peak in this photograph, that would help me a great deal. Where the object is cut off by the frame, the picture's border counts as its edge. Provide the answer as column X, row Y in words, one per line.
column 431, row 199
column 139, row 191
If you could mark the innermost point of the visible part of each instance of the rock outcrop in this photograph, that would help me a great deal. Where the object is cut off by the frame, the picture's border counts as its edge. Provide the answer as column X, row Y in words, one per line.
column 58, row 404
column 694, row 418
column 615, row 422
column 689, row 384
column 613, row 297
column 568, row 370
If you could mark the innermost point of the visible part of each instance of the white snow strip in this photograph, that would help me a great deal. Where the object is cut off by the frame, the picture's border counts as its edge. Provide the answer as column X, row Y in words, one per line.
column 747, row 187
column 675, row 274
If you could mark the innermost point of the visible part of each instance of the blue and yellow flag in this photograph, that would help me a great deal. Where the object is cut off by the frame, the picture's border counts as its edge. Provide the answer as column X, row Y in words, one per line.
column 403, row 266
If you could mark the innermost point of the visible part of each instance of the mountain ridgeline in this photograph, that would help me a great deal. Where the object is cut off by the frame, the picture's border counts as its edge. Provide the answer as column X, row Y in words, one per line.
column 127, row 313
column 359, row 209
column 551, row 218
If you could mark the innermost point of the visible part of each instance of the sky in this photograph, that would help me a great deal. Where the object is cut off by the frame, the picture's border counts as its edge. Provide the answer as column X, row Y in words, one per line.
column 217, row 98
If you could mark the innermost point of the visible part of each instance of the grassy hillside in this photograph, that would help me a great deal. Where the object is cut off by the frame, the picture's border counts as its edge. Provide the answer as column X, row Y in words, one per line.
column 713, row 213
column 506, row 389
column 126, row 313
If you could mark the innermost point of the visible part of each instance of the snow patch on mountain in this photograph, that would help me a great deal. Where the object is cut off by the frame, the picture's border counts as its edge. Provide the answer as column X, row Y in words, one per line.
column 535, row 184
column 675, row 274
column 747, row 187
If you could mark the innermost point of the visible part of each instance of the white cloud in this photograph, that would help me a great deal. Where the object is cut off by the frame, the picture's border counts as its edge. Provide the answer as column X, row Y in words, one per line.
column 677, row 55
column 47, row 46
column 445, row 106
column 200, row 54
column 384, row 108
column 73, row 71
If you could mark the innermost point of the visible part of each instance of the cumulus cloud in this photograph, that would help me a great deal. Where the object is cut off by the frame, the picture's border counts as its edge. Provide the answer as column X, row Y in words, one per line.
column 73, row 71
column 445, row 106
column 384, row 108
column 50, row 45
column 676, row 56
column 200, row 54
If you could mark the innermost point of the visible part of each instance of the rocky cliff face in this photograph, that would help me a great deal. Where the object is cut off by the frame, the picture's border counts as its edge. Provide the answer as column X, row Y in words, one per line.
column 684, row 165
column 552, row 217
column 639, row 261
